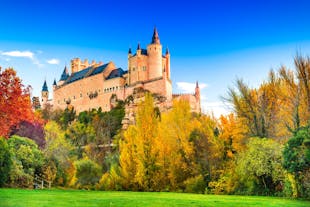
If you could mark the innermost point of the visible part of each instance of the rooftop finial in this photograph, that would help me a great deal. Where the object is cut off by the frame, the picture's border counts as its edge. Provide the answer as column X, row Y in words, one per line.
column 129, row 51
column 197, row 86
column 155, row 38
column 54, row 84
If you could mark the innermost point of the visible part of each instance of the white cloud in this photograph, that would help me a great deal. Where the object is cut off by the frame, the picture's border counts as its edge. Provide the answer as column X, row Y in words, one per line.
column 187, row 87
column 23, row 54
column 53, row 61
column 17, row 53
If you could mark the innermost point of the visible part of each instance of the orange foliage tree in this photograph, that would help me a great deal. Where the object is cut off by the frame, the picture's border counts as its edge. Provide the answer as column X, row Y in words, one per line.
column 15, row 104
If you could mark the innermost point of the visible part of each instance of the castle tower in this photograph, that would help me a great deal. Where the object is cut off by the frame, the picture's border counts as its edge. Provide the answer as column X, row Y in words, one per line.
column 76, row 65
column 44, row 94
column 154, row 51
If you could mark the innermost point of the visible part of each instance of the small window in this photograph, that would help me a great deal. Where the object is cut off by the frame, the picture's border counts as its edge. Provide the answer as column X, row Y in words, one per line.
column 80, row 95
column 133, row 69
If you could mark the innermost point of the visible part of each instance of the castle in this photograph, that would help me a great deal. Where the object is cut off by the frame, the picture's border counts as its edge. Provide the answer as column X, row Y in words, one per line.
column 94, row 85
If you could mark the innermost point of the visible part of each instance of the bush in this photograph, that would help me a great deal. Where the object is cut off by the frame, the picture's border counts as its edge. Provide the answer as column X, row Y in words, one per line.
column 87, row 173
column 5, row 161
column 195, row 185
column 27, row 161
column 110, row 180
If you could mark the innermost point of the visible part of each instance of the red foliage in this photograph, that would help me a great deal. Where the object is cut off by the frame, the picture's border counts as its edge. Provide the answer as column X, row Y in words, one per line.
column 15, row 103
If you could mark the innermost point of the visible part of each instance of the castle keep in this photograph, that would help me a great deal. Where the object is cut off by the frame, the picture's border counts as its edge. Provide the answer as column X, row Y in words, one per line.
column 94, row 85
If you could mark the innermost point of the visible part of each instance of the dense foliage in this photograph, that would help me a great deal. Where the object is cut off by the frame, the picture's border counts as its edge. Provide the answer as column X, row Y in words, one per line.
column 263, row 148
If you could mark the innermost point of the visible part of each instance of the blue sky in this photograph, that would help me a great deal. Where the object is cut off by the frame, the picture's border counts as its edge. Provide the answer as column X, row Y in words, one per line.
column 213, row 42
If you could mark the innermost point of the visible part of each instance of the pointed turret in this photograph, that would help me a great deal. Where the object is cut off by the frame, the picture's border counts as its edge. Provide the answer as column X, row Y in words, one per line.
column 139, row 49
column 44, row 87
column 44, row 94
column 155, row 38
column 54, row 84
column 129, row 53
column 64, row 74
column 167, row 51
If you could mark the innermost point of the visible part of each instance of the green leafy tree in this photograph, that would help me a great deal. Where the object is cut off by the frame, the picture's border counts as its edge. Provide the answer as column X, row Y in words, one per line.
column 80, row 135
column 5, row 161
column 27, row 161
column 296, row 156
column 260, row 167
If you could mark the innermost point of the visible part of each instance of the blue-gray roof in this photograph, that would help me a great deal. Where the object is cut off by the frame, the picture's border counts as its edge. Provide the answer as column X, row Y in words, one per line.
column 99, row 69
column 78, row 75
column 119, row 72
column 143, row 52
column 90, row 71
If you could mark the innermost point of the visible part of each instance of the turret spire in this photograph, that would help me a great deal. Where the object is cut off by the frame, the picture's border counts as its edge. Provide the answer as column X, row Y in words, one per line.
column 197, row 86
column 155, row 38
column 64, row 75
column 54, row 84
column 167, row 51
column 129, row 51
column 139, row 47
column 44, row 87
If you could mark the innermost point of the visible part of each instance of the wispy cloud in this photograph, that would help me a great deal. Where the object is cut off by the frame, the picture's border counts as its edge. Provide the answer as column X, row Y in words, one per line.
column 187, row 87
column 22, row 54
column 17, row 53
column 53, row 61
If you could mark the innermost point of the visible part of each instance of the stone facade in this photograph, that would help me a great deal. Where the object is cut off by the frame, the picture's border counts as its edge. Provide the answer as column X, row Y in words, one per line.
column 94, row 85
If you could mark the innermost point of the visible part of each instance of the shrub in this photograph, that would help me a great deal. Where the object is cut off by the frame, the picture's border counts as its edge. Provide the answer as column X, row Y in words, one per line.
column 87, row 173
column 195, row 185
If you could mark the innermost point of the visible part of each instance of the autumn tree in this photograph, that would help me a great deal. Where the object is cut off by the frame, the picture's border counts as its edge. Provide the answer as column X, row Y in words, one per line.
column 57, row 151
column 15, row 103
column 233, row 135
column 175, row 142
column 32, row 130
column 140, row 144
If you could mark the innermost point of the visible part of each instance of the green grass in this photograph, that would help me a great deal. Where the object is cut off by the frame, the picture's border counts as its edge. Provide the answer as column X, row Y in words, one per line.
column 78, row 198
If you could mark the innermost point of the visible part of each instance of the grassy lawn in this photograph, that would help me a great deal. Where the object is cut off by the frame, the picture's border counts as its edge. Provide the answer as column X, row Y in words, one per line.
column 71, row 198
